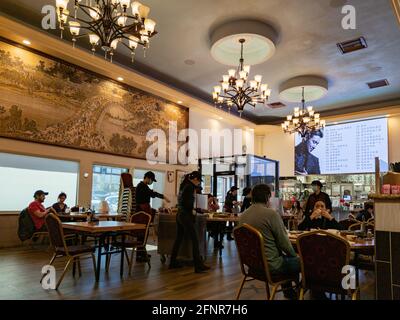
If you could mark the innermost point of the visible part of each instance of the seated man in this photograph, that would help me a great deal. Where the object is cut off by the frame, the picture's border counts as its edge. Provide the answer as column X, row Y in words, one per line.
column 367, row 213
column 282, row 259
column 320, row 218
column 38, row 212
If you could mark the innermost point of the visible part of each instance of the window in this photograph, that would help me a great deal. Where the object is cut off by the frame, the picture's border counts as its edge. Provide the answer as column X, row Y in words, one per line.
column 21, row 176
column 105, row 187
column 156, row 186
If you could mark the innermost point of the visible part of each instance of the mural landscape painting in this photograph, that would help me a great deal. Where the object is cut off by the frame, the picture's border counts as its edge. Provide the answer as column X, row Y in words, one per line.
column 52, row 102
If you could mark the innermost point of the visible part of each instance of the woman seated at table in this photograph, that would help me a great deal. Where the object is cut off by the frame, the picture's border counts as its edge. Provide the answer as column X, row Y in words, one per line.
column 60, row 206
column 319, row 219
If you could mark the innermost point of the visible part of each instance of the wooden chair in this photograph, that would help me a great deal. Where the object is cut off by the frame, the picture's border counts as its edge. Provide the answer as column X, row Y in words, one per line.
column 323, row 256
column 346, row 223
column 61, row 249
column 136, row 238
column 355, row 226
column 253, row 261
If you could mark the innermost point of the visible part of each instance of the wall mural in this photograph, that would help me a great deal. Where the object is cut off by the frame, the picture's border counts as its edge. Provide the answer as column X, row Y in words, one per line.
column 49, row 101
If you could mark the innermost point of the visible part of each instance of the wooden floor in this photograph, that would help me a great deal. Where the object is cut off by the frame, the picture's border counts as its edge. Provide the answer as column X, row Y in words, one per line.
column 20, row 273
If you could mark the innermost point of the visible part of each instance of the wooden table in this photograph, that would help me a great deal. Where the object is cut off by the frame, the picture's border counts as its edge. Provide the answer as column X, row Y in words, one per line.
column 74, row 216
column 358, row 245
column 102, row 230
column 225, row 218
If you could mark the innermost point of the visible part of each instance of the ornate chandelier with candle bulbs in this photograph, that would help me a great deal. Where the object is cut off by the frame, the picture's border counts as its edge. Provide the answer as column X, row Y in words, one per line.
column 108, row 23
column 237, row 90
column 303, row 121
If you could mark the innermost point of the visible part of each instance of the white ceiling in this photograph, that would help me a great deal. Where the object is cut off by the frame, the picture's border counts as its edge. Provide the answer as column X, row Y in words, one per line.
column 309, row 31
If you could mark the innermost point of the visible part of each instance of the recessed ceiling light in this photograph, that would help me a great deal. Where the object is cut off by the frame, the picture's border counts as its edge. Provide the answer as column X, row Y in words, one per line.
column 180, row 102
column 120, row 79
column 27, row 42
column 220, row 118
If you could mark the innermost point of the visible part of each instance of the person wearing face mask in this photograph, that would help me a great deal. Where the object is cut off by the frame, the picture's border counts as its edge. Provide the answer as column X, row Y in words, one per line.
column 144, row 193
column 317, row 195
column 185, row 222
column 305, row 162
column 143, row 196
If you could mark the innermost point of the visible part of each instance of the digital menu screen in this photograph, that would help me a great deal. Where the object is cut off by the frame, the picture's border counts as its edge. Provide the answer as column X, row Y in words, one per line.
column 343, row 148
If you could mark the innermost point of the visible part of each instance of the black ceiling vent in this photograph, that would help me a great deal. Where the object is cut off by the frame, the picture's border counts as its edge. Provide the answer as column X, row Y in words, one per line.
column 276, row 105
column 352, row 45
column 378, row 84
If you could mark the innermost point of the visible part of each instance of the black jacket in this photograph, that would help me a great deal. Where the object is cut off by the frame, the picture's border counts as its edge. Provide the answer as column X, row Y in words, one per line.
column 305, row 161
column 321, row 223
column 363, row 215
column 229, row 199
column 186, row 197
column 246, row 204
column 144, row 193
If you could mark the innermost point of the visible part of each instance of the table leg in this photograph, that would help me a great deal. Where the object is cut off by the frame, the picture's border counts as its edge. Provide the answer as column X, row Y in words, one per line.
column 357, row 267
column 101, row 243
column 121, row 271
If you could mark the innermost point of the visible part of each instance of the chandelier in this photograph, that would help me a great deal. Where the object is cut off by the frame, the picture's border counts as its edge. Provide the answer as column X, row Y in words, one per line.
column 237, row 90
column 108, row 23
column 303, row 121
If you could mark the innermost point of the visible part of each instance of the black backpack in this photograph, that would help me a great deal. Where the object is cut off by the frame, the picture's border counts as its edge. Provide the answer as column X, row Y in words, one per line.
column 26, row 227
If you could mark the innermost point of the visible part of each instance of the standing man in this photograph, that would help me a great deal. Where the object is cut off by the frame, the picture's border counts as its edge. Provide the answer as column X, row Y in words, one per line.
column 316, row 196
column 230, row 202
column 143, row 196
column 144, row 193
column 185, row 221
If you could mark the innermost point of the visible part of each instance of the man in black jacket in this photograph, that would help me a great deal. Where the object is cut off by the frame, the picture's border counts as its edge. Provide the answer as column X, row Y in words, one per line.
column 144, row 193
column 143, row 196
column 317, row 195
column 185, row 220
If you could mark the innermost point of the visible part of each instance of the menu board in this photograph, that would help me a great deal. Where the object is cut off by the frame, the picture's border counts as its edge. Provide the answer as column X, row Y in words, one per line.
column 343, row 148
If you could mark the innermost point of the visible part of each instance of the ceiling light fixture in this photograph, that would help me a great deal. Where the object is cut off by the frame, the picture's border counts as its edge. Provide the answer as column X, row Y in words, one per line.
column 303, row 121
column 120, row 79
column 179, row 102
column 107, row 23
column 27, row 42
column 237, row 90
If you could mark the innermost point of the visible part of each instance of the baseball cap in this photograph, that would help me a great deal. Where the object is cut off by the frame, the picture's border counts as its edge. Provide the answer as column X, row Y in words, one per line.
column 195, row 175
column 150, row 175
column 39, row 193
column 316, row 183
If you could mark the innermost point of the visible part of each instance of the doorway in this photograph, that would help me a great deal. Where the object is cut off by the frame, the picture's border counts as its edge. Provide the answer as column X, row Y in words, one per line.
column 223, row 184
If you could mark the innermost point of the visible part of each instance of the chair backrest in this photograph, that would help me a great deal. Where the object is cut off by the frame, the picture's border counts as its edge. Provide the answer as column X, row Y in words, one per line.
column 355, row 226
column 250, row 246
column 323, row 256
column 141, row 217
column 346, row 223
column 56, row 233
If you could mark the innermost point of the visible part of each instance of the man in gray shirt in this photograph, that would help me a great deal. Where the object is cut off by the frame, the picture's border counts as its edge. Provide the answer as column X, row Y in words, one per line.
column 282, row 259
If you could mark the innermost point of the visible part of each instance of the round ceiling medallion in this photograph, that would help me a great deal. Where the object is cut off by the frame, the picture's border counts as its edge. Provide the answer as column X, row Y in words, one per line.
column 315, row 88
column 259, row 45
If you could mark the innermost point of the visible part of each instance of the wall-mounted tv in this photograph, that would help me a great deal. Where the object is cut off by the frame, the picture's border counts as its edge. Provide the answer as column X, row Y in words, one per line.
column 349, row 147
